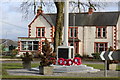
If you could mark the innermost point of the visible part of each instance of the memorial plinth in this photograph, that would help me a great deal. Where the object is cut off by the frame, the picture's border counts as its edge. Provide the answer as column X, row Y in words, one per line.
column 66, row 52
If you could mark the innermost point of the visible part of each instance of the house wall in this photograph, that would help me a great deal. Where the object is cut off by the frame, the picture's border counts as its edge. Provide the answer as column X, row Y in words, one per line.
column 118, row 33
column 87, row 35
column 80, row 36
column 88, row 39
column 40, row 22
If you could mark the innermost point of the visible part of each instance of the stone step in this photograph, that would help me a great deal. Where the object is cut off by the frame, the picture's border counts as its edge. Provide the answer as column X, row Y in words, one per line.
column 71, row 69
column 74, row 69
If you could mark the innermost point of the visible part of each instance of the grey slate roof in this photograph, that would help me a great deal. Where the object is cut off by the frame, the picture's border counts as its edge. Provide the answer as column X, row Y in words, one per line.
column 51, row 18
column 85, row 19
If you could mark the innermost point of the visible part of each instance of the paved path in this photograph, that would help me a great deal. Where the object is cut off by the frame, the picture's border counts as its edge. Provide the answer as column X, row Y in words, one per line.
column 36, row 73
column 20, row 61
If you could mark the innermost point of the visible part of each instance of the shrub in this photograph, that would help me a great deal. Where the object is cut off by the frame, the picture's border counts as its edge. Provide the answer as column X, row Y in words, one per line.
column 47, row 58
column 96, row 55
column 78, row 55
column 85, row 56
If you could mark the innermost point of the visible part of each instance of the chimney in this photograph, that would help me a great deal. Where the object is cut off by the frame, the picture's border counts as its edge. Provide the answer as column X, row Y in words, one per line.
column 39, row 10
column 90, row 11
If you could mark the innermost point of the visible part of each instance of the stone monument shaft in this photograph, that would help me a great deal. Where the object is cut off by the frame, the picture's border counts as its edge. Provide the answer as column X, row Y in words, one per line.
column 66, row 22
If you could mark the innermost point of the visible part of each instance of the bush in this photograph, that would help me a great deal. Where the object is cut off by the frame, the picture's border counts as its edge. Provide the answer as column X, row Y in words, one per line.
column 48, row 57
column 96, row 55
column 78, row 55
column 85, row 56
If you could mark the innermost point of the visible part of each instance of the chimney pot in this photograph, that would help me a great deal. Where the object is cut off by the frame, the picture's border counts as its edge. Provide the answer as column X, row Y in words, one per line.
column 39, row 10
column 90, row 11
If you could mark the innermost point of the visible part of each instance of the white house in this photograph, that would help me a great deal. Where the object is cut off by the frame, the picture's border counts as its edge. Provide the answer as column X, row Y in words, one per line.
column 92, row 32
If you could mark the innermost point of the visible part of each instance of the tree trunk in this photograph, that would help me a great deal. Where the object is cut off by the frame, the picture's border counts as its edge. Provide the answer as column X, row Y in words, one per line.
column 59, row 25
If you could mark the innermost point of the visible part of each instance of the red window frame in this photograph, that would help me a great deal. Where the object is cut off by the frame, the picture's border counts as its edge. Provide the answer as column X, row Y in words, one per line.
column 100, row 46
column 72, row 35
column 100, row 32
column 41, row 32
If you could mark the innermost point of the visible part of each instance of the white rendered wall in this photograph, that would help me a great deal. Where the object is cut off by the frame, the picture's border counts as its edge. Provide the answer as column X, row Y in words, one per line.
column 41, row 22
column 89, row 39
column 87, row 46
column 118, row 34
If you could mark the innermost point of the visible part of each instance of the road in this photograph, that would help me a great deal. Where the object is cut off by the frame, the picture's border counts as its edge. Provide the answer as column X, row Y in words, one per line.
column 34, row 61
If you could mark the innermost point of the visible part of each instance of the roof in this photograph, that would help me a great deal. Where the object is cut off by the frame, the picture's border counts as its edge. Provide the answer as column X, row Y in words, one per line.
column 85, row 19
column 46, row 17
column 8, row 42
column 50, row 19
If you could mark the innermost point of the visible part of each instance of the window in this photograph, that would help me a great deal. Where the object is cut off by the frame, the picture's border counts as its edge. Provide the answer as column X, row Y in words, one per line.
column 24, row 45
column 99, row 47
column 73, row 31
column 29, row 45
column 101, row 32
column 40, row 32
column 35, row 45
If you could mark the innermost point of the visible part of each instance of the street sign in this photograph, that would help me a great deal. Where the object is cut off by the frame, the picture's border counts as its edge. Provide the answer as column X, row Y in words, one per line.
column 110, row 55
column 114, row 55
column 102, row 55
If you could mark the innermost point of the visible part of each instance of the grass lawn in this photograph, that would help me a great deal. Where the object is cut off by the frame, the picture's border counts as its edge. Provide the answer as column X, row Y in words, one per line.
column 100, row 66
column 19, row 66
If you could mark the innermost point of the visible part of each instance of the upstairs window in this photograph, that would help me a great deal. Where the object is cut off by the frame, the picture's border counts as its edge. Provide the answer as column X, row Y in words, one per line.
column 99, row 47
column 73, row 32
column 40, row 32
column 101, row 32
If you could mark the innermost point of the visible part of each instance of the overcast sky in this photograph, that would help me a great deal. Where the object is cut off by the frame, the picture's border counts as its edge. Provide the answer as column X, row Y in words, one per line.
column 13, row 25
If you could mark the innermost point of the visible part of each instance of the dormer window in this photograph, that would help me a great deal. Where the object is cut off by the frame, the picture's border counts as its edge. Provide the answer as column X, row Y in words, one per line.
column 40, row 32
column 101, row 32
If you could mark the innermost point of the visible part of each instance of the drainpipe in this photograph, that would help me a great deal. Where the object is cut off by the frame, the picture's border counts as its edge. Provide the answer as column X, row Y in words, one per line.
column 83, row 39
column 73, row 31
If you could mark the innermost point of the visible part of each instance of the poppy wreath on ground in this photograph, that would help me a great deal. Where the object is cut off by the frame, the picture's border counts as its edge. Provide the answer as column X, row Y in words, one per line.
column 61, row 61
column 65, row 62
column 77, row 60
column 53, row 60
column 69, row 62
